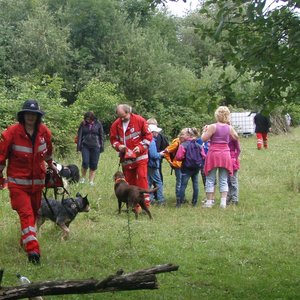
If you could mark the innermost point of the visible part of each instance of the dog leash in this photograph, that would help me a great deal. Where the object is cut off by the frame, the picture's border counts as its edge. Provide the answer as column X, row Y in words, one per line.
column 48, row 204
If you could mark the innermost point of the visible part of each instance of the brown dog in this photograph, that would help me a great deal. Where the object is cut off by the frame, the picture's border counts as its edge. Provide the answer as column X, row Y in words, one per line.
column 130, row 194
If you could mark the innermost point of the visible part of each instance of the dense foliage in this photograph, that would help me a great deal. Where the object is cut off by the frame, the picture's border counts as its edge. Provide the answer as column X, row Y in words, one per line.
column 75, row 56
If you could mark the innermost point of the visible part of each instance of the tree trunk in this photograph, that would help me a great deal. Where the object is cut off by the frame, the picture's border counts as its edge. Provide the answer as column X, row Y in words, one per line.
column 138, row 280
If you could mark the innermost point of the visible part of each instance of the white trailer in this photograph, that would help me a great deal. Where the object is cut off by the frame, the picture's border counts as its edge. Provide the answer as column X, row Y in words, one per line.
column 243, row 122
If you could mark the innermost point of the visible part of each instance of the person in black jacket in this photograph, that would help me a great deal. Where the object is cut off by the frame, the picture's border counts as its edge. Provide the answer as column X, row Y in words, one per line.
column 262, row 127
column 90, row 143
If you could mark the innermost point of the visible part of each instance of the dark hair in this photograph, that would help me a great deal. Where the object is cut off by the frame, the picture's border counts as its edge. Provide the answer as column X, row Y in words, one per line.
column 21, row 119
column 89, row 115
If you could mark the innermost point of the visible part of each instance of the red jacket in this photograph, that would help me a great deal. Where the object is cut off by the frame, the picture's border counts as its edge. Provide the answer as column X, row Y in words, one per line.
column 137, row 134
column 26, row 162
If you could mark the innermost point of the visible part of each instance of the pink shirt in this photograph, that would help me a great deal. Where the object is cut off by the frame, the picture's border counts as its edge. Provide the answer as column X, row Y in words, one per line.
column 218, row 155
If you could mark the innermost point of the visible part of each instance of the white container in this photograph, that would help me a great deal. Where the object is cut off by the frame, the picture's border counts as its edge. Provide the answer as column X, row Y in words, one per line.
column 243, row 122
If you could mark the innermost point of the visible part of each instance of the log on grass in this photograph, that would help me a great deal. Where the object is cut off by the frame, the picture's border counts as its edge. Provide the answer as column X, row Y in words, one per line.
column 138, row 280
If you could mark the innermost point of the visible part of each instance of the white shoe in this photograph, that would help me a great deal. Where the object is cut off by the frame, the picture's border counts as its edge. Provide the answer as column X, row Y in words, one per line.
column 223, row 205
column 207, row 204
column 92, row 183
column 82, row 180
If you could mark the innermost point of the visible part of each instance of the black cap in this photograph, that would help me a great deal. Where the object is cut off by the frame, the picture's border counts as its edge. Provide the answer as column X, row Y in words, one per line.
column 31, row 106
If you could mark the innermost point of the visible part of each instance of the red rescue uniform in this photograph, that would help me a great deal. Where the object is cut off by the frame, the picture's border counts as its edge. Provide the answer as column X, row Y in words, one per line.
column 26, row 172
column 137, row 134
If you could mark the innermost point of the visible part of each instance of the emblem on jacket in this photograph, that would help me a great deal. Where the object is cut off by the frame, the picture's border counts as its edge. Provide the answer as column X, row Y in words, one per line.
column 132, row 129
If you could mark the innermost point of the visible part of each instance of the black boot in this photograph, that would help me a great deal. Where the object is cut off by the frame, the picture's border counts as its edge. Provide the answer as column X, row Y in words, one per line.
column 34, row 258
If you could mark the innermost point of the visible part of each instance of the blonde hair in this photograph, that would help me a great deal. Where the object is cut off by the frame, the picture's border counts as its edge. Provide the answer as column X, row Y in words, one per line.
column 222, row 114
column 191, row 132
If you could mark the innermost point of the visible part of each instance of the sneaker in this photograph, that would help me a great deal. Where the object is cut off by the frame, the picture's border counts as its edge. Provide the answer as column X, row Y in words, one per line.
column 207, row 204
column 222, row 205
column 34, row 258
column 92, row 183
column 82, row 180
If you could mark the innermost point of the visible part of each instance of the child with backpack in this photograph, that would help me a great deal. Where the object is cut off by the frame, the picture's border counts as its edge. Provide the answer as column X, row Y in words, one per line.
column 170, row 156
column 191, row 154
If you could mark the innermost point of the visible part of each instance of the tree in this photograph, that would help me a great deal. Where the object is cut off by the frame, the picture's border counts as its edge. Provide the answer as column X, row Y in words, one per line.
column 263, row 40
column 101, row 98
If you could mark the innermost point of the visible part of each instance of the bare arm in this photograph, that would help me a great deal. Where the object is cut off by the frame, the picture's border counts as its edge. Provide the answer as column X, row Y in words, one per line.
column 208, row 131
column 233, row 133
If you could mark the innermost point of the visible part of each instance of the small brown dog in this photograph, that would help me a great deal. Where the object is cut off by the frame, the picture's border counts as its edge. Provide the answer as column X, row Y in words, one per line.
column 130, row 194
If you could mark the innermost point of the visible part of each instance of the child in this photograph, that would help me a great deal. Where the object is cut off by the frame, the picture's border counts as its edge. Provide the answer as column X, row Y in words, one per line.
column 233, row 184
column 189, row 153
column 153, row 168
column 170, row 156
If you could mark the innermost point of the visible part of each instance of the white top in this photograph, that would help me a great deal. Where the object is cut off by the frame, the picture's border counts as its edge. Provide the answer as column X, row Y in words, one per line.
column 125, row 125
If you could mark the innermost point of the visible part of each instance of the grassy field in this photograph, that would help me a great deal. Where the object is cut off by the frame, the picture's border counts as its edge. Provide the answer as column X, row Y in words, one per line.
column 251, row 251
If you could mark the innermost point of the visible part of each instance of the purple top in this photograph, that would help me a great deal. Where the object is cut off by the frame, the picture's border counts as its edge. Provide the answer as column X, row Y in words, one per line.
column 180, row 154
column 222, row 134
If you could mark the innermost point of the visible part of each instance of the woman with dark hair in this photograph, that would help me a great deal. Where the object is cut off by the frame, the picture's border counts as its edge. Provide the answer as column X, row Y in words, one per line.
column 27, row 146
column 90, row 143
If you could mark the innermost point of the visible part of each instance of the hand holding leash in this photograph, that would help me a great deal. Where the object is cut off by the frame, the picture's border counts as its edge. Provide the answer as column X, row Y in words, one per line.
column 53, row 167
column 136, row 150
column 122, row 148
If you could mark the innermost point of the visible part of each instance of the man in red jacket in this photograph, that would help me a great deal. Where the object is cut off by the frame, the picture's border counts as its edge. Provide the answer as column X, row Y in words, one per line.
column 27, row 146
column 131, row 137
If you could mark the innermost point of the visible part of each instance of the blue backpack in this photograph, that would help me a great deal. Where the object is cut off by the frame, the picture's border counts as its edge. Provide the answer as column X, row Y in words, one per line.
column 193, row 156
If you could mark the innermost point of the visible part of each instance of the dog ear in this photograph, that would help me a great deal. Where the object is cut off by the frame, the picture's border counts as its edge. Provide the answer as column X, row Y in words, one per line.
column 78, row 194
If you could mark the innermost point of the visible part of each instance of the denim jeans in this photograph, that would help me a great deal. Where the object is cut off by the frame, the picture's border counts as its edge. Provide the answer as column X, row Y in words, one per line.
column 154, row 177
column 178, row 183
column 90, row 157
column 186, row 174
column 233, row 184
column 211, row 179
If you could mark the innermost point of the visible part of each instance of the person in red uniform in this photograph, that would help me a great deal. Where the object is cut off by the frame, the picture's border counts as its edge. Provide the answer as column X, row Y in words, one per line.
column 26, row 146
column 131, row 137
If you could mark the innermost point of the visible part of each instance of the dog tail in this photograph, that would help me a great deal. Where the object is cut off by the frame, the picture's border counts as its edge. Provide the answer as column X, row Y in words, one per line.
column 149, row 190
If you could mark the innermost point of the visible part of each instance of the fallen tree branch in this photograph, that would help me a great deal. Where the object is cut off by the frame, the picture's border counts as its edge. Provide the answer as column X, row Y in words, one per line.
column 138, row 280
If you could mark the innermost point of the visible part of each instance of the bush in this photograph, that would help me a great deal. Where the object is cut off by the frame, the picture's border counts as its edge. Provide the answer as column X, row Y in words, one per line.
column 101, row 98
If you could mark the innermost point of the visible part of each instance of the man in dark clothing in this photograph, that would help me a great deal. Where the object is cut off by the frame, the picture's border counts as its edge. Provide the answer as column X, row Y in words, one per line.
column 262, row 127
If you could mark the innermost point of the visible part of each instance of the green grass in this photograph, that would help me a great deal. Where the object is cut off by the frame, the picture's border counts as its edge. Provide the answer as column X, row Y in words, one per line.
column 245, row 252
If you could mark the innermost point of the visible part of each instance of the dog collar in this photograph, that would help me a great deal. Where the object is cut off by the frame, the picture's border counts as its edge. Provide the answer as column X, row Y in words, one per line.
column 120, row 179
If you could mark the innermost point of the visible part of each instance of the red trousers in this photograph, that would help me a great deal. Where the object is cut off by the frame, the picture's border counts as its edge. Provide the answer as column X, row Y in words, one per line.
column 139, row 177
column 262, row 139
column 27, row 205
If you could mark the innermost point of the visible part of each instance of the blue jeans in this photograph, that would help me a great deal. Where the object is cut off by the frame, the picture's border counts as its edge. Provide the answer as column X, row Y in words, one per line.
column 178, row 183
column 186, row 174
column 233, row 184
column 211, row 179
column 154, row 177
column 90, row 158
